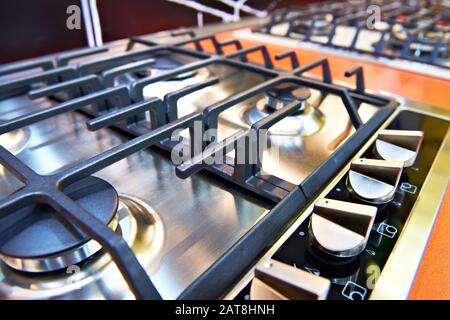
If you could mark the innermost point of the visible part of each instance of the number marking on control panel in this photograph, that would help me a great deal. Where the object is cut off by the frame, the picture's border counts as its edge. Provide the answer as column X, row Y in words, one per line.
column 354, row 291
column 387, row 230
column 409, row 188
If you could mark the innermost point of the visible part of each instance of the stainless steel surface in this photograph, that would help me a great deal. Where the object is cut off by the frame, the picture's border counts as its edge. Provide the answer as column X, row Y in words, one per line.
column 374, row 181
column 201, row 217
column 398, row 145
column 278, row 281
column 341, row 228
column 15, row 141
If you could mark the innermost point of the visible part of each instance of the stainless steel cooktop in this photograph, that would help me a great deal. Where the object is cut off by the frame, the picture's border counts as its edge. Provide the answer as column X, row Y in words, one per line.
column 180, row 230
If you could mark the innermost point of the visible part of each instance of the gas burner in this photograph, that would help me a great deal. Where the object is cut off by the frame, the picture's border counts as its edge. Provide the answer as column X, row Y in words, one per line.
column 305, row 122
column 127, row 78
column 135, row 221
column 15, row 141
column 163, row 63
column 35, row 240
column 428, row 39
column 161, row 88
column 381, row 25
column 425, row 40
column 320, row 25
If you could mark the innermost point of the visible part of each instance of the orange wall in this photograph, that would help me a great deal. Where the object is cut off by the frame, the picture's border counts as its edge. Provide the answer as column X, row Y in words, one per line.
column 433, row 278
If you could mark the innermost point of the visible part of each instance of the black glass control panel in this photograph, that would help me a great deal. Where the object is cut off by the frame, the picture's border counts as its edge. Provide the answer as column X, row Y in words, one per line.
column 354, row 278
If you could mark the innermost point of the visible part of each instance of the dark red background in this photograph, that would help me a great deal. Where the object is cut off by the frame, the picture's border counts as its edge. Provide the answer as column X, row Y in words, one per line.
column 31, row 28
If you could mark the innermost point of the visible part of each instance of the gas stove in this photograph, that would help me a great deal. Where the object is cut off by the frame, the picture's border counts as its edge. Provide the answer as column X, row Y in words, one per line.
column 412, row 35
column 179, row 168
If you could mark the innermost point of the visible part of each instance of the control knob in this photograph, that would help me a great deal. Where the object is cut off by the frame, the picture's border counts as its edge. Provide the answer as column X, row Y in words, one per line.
column 374, row 180
column 341, row 228
column 398, row 145
column 275, row 280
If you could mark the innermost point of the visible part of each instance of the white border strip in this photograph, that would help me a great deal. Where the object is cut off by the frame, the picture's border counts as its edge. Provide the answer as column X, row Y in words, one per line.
column 87, row 23
column 96, row 23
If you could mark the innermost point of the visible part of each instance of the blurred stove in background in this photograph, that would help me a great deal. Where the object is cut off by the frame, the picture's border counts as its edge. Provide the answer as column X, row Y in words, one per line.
column 415, row 31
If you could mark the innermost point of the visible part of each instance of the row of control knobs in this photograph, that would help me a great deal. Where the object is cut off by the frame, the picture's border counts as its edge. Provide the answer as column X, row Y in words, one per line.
column 342, row 228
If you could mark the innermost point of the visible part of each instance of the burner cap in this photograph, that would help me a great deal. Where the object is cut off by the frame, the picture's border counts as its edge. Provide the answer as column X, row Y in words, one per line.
column 284, row 94
column 323, row 20
column 35, row 239
column 137, row 223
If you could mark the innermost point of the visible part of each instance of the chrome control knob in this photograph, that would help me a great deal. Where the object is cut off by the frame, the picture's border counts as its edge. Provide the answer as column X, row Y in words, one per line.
column 341, row 228
column 374, row 181
column 398, row 145
column 275, row 280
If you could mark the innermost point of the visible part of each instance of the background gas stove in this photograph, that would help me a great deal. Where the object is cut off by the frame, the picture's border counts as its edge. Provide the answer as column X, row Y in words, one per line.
column 110, row 190
column 416, row 31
